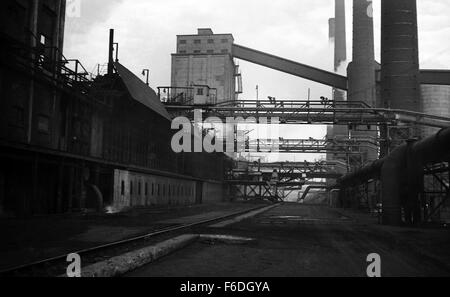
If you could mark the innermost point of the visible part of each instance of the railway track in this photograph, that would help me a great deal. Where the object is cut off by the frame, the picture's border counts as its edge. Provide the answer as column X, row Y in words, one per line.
column 54, row 266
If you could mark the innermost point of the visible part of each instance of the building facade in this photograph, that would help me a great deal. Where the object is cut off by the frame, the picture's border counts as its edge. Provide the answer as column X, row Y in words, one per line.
column 203, row 69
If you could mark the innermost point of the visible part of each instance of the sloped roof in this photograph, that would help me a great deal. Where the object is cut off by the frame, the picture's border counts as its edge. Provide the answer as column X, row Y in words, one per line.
column 140, row 92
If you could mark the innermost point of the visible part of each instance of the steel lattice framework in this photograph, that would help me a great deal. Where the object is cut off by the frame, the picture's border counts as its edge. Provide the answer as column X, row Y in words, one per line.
column 323, row 112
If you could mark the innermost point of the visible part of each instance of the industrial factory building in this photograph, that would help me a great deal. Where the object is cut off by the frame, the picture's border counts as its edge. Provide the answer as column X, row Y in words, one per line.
column 203, row 69
column 73, row 143
column 88, row 168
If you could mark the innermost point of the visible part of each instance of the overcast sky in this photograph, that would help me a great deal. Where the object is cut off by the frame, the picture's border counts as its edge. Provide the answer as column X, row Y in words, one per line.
column 293, row 29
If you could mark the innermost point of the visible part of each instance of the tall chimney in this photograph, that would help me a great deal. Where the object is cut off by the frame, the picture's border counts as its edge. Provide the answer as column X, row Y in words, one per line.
column 338, row 32
column 111, row 52
column 340, row 57
column 340, row 40
column 399, row 87
column 361, row 71
column 400, row 56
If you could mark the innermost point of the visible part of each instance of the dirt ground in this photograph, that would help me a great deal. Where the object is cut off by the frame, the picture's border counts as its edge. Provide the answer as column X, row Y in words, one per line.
column 29, row 240
column 304, row 240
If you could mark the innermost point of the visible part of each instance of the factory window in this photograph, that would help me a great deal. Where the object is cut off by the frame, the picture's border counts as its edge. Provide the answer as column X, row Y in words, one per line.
column 225, row 40
column 182, row 52
column 164, row 190
column 197, row 41
column 122, row 188
column 168, row 193
column 131, row 188
column 153, row 189
column 42, row 39
column 139, row 188
column 200, row 92
column 159, row 190
column 197, row 52
column 43, row 124
column 224, row 51
column 210, row 41
column 210, row 51
column 146, row 189
column 15, row 19
column 182, row 41
column 18, row 117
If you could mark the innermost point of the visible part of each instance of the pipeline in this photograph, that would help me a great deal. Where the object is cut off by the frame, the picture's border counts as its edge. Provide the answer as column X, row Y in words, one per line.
column 398, row 172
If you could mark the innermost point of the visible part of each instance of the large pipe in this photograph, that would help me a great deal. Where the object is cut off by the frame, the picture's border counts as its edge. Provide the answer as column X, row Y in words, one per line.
column 399, row 171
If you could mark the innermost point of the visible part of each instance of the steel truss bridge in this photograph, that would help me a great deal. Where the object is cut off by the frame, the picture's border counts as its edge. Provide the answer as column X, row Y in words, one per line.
column 311, row 113
column 252, row 180
column 310, row 146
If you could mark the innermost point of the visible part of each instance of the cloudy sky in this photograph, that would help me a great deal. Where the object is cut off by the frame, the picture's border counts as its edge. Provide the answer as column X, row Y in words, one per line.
column 293, row 29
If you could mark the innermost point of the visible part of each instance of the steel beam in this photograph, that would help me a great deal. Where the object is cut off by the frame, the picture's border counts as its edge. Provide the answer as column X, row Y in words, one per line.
column 291, row 67
column 311, row 112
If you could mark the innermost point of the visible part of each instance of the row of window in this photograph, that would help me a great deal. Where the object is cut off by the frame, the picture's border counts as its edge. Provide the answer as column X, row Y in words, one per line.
column 199, row 41
column 224, row 51
column 156, row 189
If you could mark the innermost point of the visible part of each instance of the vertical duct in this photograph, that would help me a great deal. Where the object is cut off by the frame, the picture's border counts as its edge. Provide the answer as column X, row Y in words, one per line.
column 111, row 52
column 400, row 87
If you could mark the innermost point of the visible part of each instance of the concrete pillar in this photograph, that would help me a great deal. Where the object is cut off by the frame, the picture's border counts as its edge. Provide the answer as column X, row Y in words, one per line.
column 392, row 186
column 400, row 58
column 414, row 186
column 33, row 43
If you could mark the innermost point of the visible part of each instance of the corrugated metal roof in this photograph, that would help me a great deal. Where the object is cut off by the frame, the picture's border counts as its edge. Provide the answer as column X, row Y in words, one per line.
column 140, row 92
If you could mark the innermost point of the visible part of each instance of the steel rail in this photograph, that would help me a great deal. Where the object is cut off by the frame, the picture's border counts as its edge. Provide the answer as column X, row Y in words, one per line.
column 62, row 258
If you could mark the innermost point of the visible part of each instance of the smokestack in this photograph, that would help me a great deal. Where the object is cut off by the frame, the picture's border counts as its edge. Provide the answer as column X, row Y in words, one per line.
column 338, row 32
column 399, row 55
column 361, row 71
column 340, row 40
column 111, row 52
column 400, row 60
